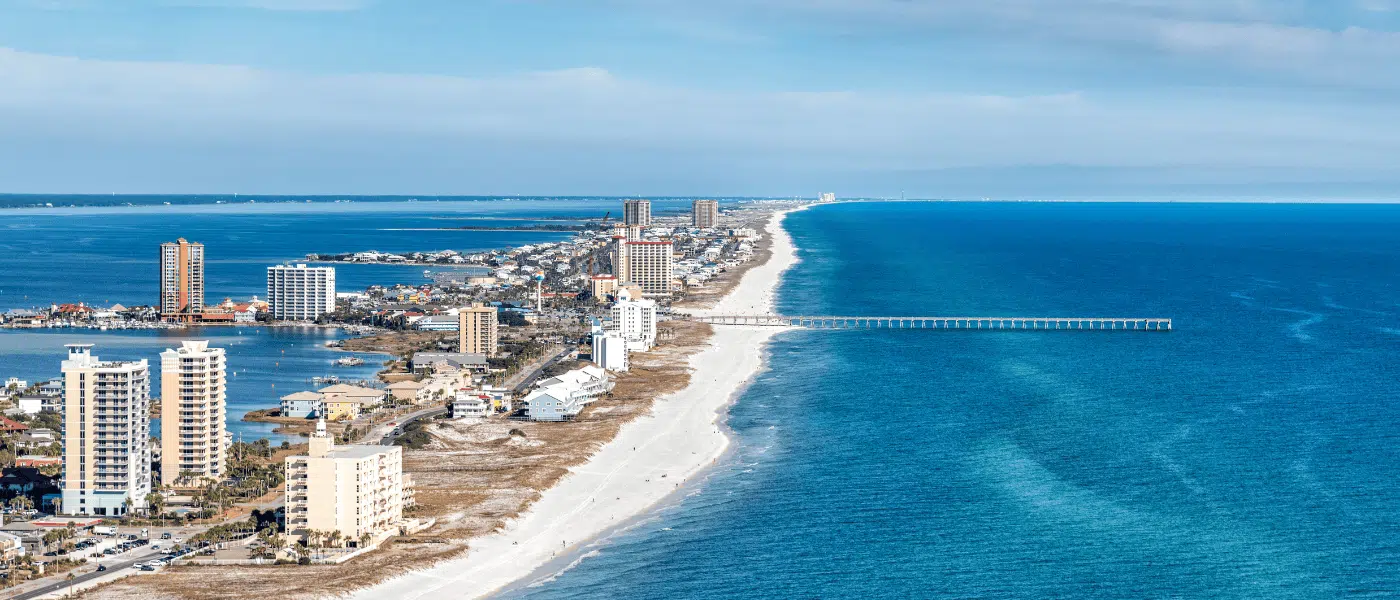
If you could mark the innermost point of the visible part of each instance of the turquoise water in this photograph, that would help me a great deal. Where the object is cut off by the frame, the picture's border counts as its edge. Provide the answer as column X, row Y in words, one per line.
column 1252, row 453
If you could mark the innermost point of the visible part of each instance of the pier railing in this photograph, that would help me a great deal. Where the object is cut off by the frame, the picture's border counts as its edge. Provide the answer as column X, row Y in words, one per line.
column 963, row 323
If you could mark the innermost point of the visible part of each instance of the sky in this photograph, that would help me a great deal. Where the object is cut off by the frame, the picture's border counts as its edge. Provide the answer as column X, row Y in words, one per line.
column 927, row 98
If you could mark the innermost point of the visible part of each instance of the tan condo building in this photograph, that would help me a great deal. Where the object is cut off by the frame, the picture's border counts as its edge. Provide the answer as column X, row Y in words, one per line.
column 636, row 212
column 181, row 280
column 359, row 491
column 477, row 330
column 193, row 410
column 704, row 213
column 106, row 439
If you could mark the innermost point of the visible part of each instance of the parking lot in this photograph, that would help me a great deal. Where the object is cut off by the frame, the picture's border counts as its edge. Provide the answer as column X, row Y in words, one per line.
column 126, row 548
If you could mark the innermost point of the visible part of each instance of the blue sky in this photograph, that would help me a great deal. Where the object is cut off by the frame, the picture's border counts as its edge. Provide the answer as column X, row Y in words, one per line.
column 1003, row 98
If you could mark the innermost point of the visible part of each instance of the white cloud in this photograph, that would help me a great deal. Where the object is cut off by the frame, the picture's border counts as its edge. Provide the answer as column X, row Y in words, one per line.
column 592, row 115
column 1274, row 35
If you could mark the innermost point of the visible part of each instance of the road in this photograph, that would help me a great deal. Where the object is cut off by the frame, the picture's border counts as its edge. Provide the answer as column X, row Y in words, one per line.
column 388, row 438
column 535, row 374
column 114, row 565
column 385, row 434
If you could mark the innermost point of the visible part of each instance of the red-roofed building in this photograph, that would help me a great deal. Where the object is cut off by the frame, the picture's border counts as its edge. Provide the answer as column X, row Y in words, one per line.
column 8, row 426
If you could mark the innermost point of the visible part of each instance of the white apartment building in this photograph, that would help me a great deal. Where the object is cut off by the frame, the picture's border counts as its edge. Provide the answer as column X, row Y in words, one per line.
column 704, row 213
column 192, row 412
column 646, row 264
column 357, row 490
column 610, row 351
column 634, row 320
column 299, row 292
column 636, row 212
column 107, row 428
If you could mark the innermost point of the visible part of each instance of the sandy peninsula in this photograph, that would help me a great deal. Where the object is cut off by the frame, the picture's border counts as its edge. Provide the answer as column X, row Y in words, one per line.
column 648, row 460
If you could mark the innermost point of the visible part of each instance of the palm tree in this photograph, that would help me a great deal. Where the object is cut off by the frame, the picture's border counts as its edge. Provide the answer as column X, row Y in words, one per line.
column 70, row 579
column 365, row 539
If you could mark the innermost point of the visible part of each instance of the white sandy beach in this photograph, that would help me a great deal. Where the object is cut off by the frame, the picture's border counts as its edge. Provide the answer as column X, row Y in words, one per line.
column 650, row 458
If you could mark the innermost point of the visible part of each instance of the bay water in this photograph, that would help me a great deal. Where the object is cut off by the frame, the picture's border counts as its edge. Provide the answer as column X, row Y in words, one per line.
column 102, row 254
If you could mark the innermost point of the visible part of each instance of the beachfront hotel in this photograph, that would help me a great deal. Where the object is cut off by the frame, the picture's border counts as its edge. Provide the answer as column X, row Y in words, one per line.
column 193, row 409
column 299, row 292
column 704, row 213
column 107, row 428
column 181, row 280
column 636, row 212
column 477, row 330
column 645, row 264
column 357, row 490
column 634, row 320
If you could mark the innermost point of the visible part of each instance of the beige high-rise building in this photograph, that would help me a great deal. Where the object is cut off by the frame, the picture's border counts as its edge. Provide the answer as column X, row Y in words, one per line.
column 704, row 213
column 603, row 286
column 619, row 259
column 181, row 280
column 357, row 490
column 106, row 434
column 636, row 212
column 646, row 264
column 477, row 330
column 193, row 405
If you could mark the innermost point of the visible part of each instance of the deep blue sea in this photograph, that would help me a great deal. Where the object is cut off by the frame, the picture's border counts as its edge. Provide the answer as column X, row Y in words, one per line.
column 109, row 254
column 1254, row 452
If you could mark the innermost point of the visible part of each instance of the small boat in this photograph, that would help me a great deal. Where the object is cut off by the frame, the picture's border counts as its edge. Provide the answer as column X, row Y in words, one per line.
column 349, row 361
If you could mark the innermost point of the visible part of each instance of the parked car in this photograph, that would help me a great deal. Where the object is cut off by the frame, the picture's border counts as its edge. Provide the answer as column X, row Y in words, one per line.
column 165, row 536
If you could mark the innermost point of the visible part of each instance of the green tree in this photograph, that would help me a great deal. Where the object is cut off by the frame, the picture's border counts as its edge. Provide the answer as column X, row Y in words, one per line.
column 156, row 502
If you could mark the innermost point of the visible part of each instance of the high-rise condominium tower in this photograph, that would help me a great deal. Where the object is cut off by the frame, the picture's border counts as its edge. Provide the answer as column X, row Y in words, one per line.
column 106, row 434
column 704, row 213
column 645, row 264
column 477, row 330
column 300, row 293
column 181, row 280
column 636, row 212
column 193, row 404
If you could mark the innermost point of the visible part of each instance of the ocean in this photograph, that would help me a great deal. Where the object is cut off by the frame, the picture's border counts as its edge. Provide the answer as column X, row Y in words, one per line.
column 102, row 254
column 1254, row 452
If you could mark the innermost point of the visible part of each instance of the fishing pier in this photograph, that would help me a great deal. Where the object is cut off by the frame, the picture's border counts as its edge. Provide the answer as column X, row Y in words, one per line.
column 948, row 323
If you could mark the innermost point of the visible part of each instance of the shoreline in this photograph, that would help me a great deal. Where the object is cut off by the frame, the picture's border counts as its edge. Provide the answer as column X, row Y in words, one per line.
column 649, row 460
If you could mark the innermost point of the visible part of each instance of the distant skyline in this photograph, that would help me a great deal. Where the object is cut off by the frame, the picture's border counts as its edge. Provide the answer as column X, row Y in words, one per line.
column 935, row 99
